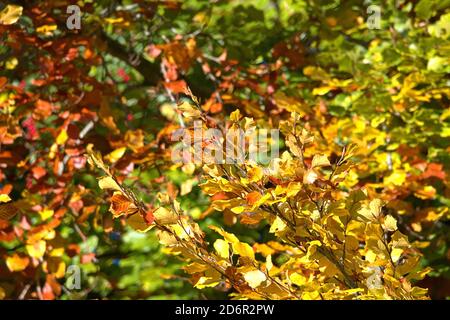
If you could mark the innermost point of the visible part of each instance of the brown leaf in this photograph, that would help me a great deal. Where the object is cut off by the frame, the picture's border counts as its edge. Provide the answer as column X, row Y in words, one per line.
column 8, row 210
column 120, row 205
column 3, row 81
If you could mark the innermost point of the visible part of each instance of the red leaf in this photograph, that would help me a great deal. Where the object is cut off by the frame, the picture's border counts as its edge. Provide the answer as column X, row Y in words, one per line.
column 121, row 73
column 149, row 217
column 38, row 172
column 178, row 86
column 434, row 170
column 72, row 54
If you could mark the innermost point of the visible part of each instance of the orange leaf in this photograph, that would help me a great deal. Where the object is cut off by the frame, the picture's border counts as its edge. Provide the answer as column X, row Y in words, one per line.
column 17, row 263
column 252, row 197
column 219, row 196
column 251, row 218
column 38, row 172
column 120, row 205
column 149, row 217
column 3, row 81
column 178, row 86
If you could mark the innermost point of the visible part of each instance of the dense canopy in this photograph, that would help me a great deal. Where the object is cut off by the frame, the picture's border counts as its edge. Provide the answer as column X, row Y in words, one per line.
column 107, row 191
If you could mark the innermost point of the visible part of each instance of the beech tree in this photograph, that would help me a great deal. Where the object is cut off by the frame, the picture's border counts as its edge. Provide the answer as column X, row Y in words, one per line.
column 93, row 99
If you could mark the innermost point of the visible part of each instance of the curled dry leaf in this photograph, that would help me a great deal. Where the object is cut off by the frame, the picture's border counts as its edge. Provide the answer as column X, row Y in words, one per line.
column 7, row 208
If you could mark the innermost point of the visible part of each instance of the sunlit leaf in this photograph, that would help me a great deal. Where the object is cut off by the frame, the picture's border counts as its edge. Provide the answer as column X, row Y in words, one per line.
column 10, row 14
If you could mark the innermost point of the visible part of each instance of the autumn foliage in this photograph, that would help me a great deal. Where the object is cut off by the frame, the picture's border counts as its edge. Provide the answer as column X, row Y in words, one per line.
column 354, row 206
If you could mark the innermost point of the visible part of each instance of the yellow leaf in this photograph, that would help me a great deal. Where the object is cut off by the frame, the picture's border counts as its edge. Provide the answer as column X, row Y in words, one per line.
column 320, row 161
column 114, row 20
column 396, row 178
column 310, row 295
column 375, row 206
column 264, row 249
column 164, row 216
column 235, row 116
column 310, row 176
column 445, row 115
column 322, row 90
column 432, row 215
column 221, row 205
column 390, row 223
column 373, row 212
column 371, row 256
column 168, row 111
column 231, row 238
column 108, row 183
column 116, row 154
column 37, row 249
column 206, row 282
column 189, row 111
column 315, row 73
column 137, row 222
column 55, row 266
column 50, row 235
column 134, row 139
column 187, row 185
column 278, row 225
column 222, row 248
column 165, row 238
column 291, row 104
column 244, row 250
column 238, row 210
column 293, row 189
column 106, row 115
column 95, row 157
column 10, row 14
column 188, row 168
column 4, row 198
column 46, row 213
column 195, row 267
column 269, row 263
column 312, row 249
column 17, row 263
column 420, row 274
column 255, row 278
column 315, row 243
column 48, row 28
column 427, row 192
column 298, row 279
column 396, row 253
column 62, row 137
column 57, row 252
column 11, row 63
column 255, row 174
